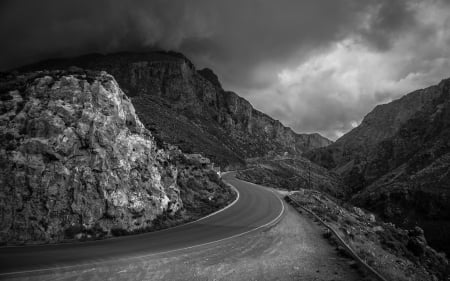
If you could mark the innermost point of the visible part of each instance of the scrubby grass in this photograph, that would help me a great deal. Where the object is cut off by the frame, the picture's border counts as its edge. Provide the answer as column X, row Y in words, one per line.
column 293, row 174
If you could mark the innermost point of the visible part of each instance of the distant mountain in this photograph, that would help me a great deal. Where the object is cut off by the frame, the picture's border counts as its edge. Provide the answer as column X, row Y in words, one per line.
column 189, row 108
column 397, row 162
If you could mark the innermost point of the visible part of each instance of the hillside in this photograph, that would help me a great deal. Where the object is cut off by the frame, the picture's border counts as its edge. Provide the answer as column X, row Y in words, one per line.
column 395, row 253
column 189, row 108
column 294, row 174
column 398, row 161
column 76, row 162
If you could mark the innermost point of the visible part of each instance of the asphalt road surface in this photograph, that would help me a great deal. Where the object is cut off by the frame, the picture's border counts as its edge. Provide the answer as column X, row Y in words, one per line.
column 256, row 208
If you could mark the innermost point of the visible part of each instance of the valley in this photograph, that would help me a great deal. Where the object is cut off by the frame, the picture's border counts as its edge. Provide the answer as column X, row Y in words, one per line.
column 141, row 157
column 225, row 140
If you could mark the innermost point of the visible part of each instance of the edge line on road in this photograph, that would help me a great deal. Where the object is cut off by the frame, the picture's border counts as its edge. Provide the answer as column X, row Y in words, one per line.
column 145, row 233
column 272, row 222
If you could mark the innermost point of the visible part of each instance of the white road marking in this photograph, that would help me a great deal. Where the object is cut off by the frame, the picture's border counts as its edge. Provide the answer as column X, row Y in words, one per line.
column 159, row 253
column 161, row 230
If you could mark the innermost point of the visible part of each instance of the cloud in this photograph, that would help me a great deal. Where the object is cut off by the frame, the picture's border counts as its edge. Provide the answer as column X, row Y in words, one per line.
column 293, row 59
column 332, row 91
column 231, row 35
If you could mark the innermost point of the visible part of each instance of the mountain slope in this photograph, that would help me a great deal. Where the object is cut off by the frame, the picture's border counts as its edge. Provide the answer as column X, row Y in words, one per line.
column 398, row 161
column 189, row 108
column 76, row 162
column 381, row 123
column 294, row 174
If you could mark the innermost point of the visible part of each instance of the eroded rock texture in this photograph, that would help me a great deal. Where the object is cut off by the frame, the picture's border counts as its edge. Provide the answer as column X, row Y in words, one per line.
column 75, row 159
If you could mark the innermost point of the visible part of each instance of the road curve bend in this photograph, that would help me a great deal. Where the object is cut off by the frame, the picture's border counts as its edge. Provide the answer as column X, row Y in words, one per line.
column 256, row 207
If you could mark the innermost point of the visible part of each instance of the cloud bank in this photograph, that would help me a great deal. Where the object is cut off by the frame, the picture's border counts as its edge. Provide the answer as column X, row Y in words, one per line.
column 317, row 65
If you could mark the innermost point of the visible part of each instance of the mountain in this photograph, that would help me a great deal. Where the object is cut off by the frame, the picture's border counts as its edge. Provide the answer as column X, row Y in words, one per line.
column 189, row 108
column 397, row 162
column 76, row 162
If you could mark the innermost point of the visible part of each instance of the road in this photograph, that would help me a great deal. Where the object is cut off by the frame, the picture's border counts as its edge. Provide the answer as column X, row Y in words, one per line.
column 257, row 207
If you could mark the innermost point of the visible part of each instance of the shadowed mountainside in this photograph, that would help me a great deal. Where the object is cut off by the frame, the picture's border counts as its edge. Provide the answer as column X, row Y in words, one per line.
column 189, row 108
column 294, row 174
column 397, row 162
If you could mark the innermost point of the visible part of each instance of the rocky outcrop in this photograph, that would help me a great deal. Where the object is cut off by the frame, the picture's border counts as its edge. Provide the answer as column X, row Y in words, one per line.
column 398, row 161
column 75, row 161
column 189, row 108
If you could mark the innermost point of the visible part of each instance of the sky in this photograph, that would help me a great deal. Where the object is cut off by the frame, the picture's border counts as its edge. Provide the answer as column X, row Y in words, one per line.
column 315, row 65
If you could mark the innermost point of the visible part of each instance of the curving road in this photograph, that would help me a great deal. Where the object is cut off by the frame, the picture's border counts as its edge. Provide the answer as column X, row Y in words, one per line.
column 255, row 208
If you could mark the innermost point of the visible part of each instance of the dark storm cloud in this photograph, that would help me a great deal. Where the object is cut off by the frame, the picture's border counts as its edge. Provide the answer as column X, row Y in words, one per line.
column 247, row 36
column 34, row 30
column 235, row 35
column 386, row 21
column 249, row 43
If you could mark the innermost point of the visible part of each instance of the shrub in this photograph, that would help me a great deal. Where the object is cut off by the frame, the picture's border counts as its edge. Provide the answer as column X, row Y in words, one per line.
column 415, row 247
column 73, row 230
column 118, row 232
column 213, row 177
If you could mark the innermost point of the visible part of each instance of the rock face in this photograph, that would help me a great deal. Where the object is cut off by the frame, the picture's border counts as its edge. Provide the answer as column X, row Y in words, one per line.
column 189, row 108
column 75, row 160
column 398, row 161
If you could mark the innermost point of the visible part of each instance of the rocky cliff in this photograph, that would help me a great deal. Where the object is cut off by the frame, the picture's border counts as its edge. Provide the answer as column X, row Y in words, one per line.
column 189, row 108
column 76, row 162
column 398, row 161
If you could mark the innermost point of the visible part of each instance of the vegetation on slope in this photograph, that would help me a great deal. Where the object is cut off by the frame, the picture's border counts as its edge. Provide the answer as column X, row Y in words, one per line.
column 397, row 162
column 293, row 174
column 395, row 253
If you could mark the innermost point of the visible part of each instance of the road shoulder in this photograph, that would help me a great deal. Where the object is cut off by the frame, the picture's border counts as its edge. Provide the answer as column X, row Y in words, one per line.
column 293, row 249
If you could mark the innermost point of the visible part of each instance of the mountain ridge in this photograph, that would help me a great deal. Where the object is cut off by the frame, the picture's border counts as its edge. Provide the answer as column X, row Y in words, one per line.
column 193, row 110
